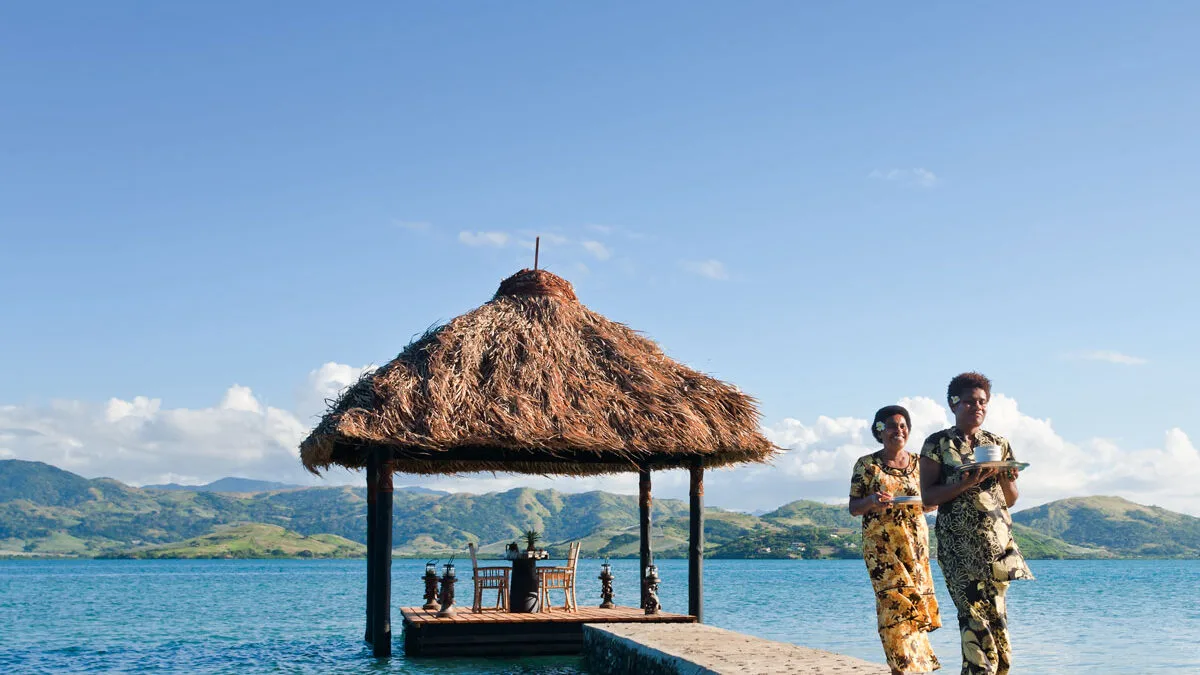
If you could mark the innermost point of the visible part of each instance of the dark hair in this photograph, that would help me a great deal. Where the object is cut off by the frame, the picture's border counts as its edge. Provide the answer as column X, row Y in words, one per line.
column 885, row 413
column 965, row 382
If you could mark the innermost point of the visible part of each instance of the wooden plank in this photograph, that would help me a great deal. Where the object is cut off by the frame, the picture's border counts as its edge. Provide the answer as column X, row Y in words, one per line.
column 698, row 648
column 415, row 615
column 505, row 634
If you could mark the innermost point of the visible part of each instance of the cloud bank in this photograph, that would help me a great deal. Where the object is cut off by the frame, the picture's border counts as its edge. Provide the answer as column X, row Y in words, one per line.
column 142, row 441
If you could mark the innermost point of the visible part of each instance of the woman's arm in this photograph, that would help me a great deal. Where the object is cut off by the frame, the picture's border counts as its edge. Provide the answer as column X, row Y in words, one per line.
column 871, row 503
column 1008, row 478
column 933, row 494
column 864, row 497
column 1008, row 485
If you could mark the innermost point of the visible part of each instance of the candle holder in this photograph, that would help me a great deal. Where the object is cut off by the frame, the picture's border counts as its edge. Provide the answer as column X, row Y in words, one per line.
column 652, row 604
column 431, row 586
column 606, row 589
column 448, row 579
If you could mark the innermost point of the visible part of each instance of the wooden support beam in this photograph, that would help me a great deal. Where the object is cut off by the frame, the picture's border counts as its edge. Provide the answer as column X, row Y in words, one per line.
column 381, row 621
column 696, row 541
column 644, row 518
column 372, row 478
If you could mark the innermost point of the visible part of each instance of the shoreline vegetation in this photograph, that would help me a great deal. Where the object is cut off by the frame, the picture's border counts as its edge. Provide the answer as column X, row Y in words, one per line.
column 49, row 513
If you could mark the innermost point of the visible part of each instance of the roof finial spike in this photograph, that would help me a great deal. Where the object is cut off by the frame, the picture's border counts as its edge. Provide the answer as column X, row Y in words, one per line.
column 537, row 244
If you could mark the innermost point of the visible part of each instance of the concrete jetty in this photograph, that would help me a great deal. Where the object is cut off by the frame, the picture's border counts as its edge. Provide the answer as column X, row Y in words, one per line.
column 697, row 649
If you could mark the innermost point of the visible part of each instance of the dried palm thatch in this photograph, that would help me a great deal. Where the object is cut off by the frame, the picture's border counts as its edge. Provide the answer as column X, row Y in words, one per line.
column 534, row 382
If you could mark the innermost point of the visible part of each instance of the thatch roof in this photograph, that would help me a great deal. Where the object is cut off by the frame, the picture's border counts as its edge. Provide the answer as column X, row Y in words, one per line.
column 534, row 382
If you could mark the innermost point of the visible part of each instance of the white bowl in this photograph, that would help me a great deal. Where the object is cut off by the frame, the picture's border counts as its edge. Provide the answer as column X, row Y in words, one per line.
column 989, row 453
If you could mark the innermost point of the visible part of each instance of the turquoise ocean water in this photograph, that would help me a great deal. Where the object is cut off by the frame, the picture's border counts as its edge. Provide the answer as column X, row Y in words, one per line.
column 308, row 616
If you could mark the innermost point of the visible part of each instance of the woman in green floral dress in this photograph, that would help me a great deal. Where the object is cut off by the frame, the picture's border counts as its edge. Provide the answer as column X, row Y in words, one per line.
column 895, row 545
column 976, row 549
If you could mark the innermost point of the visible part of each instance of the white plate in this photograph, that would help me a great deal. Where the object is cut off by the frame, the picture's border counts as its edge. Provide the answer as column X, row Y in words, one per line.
column 993, row 465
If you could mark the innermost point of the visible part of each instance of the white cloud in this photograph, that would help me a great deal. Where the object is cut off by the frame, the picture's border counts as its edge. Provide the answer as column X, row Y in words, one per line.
column 915, row 177
column 241, row 398
column 600, row 251
column 412, row 225
column 140, row 441
column 139, row 408
column 143, row 441
column 711, row 269
column 1108, row 356
column 325, row 384
column 602, row 229
column 497, row 239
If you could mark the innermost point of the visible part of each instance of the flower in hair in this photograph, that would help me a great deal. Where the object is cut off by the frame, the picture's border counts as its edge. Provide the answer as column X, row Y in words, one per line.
column 879, row 427
column 954, row 400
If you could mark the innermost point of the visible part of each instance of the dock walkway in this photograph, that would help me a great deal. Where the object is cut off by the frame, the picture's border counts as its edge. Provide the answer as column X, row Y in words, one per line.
column 492, row 633
column 697, row 649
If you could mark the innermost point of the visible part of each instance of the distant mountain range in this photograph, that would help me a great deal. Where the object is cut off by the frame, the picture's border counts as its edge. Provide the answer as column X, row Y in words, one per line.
column 46, row 511
column 239, row 485
column 250, row 486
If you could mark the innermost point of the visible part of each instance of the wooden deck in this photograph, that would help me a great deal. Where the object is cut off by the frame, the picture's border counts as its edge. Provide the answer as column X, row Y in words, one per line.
column 494, row 633
column 687, row 649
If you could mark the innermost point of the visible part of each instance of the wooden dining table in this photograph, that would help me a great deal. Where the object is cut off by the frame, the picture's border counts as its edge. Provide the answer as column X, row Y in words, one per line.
column 523, row 583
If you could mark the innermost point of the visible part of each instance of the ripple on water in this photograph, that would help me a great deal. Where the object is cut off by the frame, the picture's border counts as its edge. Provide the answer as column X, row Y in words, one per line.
column 306, row 616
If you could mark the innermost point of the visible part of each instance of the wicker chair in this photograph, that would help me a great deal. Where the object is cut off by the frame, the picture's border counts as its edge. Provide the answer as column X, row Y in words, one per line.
column 488, row 577
column 559, row 579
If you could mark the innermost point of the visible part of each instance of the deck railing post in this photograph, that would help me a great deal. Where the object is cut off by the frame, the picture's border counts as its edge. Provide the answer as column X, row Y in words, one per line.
column 696, row 541
column 382, row 604
column 372, row 477
column 646, row 556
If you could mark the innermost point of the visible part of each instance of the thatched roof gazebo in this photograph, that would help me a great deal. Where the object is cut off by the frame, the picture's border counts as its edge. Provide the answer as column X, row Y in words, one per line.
column 531, row 382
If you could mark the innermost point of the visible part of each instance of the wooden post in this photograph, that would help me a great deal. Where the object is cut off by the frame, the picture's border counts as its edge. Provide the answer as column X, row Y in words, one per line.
column 696, row 541
column 372, row 479
column 644, row 517
column 381, row 622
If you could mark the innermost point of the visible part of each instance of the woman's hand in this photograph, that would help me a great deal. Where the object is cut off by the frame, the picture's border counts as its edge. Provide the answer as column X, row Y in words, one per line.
column 1008, row 485
column 872, row 503
column 973, row 477
column 880, row 501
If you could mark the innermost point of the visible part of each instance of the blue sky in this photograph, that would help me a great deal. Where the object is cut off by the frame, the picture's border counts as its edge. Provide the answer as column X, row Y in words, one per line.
column 834, row 207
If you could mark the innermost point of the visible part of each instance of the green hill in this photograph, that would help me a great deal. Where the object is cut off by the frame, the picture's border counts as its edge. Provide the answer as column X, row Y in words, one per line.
column 1117, row 525
column 41, row 484
column 45, row 511
column 815, row 530
column 253, row 540
column 804, row 512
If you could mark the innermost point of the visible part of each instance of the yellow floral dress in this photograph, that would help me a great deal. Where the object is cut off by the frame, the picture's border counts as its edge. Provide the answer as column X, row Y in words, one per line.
column 895, row 546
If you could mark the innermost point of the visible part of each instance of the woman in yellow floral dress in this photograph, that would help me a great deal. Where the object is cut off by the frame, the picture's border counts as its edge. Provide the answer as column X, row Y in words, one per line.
column 895, row 545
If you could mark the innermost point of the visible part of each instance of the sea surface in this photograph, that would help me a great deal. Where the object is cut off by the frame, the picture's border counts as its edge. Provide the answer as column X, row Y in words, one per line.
column 292, row 616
